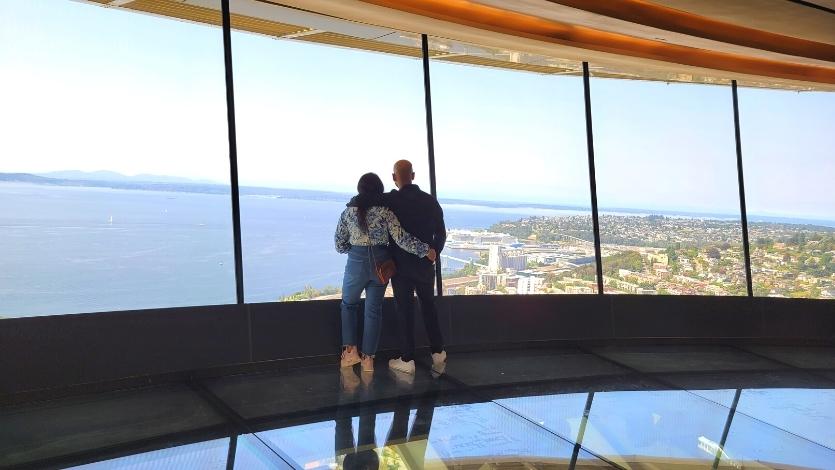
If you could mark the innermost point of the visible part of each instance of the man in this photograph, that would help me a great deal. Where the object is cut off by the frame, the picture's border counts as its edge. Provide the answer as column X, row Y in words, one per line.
column 421, row 215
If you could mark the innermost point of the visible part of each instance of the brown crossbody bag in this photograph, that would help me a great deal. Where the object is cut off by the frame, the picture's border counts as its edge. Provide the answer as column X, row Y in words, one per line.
column 385, row 270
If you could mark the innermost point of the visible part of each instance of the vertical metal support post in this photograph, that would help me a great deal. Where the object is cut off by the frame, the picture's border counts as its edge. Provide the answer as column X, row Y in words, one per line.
column 578, row 444
column 743, row 211
column 430, row 142
column 233, row 448
column 727, row 430
column 595, row 218
column 233, row 151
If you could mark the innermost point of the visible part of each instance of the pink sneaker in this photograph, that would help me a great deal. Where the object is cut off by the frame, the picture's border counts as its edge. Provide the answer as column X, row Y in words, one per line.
column 349, row 380
column 349, row 356
column 367, row 363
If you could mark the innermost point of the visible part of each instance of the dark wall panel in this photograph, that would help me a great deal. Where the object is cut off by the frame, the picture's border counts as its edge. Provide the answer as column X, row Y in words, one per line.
column 797, row 318
column 283, row 330
column 685, row 316
column 498, row 319
column 60, row 351
column 50, row 351
column 294, row 329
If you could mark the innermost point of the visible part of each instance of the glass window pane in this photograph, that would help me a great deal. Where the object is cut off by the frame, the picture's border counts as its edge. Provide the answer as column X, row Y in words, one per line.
column 428, row 435
column 312, row 119
column 667, row 188
column 115, row 167
column 512, row 171
column 561, row 414
column 667, row 428
column 809, row 413
column 788, row 148
column 253, row 454
column 208, row 455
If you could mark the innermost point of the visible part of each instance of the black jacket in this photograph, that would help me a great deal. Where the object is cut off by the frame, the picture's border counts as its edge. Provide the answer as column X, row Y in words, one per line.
column 420, row 215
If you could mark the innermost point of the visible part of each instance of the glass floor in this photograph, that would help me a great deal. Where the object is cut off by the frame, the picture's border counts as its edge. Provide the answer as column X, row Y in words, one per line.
column 627, row 407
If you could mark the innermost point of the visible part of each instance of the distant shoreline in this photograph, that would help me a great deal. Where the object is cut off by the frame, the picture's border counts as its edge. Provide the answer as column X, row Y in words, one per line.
column 317, row 195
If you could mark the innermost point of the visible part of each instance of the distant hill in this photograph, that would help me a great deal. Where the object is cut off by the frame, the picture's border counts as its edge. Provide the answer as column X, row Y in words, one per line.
column 113, row 176
column 178, row 187
column 24, row 178
column 109, row 179
column 190, row 187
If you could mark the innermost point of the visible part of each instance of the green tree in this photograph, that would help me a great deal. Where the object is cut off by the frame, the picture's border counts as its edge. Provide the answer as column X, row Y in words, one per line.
column 630, row 260
column 469, row 269
column 764, row 242
column 672, row 254
column 310, row 292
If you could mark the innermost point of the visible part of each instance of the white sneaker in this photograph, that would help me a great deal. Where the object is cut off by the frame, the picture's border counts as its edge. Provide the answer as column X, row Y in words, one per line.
column 400, row 365
column 403, row 379
column 439, row 361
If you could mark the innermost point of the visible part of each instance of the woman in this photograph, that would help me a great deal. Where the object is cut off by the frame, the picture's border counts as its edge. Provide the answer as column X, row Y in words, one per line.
column 363, row 232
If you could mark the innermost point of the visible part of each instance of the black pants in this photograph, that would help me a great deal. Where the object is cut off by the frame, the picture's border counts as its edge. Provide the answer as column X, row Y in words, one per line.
column 405, row 287
column 413, row 443
column 360, row 455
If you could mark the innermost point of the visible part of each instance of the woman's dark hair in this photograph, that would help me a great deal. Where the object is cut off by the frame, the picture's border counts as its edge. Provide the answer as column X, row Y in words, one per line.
column 369, row 188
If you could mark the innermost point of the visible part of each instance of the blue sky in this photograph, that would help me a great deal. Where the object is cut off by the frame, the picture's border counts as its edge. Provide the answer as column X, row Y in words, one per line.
column 90, row 88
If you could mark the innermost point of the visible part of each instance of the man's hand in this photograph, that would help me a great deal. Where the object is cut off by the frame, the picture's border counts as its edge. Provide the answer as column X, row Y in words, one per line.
column 432, row 255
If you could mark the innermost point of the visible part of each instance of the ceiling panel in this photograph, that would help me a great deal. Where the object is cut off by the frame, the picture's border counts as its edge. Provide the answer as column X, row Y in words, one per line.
column 777, row 16
column 637, row 51
column 557, row 12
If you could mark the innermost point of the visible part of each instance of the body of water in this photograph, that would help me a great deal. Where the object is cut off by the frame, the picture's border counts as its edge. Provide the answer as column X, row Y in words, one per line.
column 84, row 249
column 81, row 249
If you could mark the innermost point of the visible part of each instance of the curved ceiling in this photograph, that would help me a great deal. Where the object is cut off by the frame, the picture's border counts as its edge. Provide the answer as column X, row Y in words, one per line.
column 688, row 27
column 621, row 27
column 796, row 19
column 766, row 43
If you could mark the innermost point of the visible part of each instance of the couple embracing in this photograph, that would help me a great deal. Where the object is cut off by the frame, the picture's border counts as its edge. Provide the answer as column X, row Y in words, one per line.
column 414, row 221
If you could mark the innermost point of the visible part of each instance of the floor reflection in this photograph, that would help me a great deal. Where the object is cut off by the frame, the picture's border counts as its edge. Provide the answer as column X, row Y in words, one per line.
column 708, row 428
column 251, row 453
column 405, row 446
column 427, row 432
column 580, row 413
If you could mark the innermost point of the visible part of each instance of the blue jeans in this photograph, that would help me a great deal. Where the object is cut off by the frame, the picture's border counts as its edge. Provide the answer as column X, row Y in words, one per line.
column 359, row 276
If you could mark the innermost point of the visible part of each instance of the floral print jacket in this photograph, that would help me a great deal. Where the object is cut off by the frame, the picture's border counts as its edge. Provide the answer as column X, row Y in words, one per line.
column 381, row 223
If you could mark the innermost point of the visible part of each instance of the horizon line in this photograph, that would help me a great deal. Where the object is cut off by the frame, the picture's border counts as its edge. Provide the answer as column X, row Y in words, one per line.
column 451, row 200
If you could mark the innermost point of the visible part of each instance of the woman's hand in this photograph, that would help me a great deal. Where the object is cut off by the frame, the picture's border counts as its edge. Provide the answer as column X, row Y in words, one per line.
column 432, row 255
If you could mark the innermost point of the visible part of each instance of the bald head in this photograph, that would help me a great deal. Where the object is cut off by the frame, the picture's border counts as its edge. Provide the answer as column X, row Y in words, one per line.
column 403, row 173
